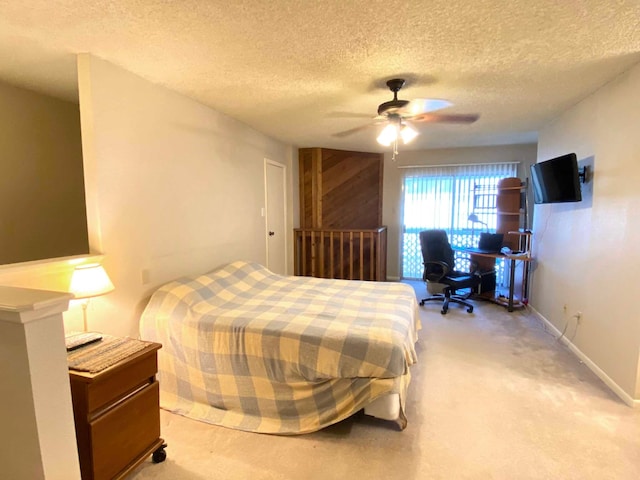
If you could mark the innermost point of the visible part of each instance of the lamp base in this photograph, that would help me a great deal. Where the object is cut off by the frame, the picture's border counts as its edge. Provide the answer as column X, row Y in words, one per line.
column 84, row 315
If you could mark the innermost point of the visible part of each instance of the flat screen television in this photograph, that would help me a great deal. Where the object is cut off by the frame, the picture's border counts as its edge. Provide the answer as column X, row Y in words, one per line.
column 556, row 180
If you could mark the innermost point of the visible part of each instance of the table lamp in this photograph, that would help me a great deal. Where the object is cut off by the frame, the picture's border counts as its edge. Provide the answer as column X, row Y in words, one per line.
column 473, row 218
column 88, row 281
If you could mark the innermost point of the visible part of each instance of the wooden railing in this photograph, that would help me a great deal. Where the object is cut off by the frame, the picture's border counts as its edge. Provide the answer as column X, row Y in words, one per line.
column 341, row 253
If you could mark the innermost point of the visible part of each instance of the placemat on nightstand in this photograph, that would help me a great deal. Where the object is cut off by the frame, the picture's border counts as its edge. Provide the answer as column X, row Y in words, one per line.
column 100, row 355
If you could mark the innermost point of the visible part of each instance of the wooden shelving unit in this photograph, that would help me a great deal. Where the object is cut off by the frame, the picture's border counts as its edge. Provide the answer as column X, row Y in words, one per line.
column 511, row 209
column 511, row 220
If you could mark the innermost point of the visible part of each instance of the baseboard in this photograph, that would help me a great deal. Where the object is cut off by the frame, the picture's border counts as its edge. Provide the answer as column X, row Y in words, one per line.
column 615, row 388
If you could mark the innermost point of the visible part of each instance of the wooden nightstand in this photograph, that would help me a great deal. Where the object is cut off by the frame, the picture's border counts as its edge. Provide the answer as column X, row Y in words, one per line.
column 117, row 416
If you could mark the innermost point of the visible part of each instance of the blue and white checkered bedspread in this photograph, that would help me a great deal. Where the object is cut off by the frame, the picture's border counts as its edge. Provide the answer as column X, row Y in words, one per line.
column 249, row 349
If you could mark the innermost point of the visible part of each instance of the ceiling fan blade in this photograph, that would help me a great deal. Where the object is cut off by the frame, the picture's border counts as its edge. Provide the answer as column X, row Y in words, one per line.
column 351, row 131
column 446, row 118
column 418, row 106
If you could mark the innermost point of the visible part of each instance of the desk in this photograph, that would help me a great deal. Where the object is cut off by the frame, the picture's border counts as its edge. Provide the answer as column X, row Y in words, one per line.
column 513, row 259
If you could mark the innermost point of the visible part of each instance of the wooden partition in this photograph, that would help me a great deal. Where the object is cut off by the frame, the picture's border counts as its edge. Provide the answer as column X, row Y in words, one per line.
column 341, row 253
column 340, row 215
column 340, row 189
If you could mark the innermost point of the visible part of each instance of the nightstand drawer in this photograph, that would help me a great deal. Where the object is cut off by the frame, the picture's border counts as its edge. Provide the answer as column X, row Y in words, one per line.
column 120, row 382
column 120, row 434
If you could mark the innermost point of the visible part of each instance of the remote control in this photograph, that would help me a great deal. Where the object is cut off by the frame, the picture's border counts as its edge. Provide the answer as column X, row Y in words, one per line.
column 77, row 340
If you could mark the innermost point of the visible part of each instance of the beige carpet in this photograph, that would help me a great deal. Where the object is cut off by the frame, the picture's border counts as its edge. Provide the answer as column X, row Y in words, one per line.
column 494, row 396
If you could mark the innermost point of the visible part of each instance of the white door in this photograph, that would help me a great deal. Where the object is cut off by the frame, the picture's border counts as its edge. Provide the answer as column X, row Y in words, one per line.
column 276, row 214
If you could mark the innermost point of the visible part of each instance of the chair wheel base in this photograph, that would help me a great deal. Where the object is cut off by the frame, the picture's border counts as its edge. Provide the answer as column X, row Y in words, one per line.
column 447, row 300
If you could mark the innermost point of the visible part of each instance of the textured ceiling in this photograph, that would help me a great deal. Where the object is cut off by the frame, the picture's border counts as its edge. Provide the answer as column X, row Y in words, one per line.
column 302, row 70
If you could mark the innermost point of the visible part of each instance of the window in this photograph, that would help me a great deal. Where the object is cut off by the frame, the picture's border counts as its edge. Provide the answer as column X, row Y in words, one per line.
column 444, row 197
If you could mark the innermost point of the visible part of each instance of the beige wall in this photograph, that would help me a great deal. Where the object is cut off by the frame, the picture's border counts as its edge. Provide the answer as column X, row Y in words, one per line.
column 42, row 208
column 392, row 193
column 586, row 253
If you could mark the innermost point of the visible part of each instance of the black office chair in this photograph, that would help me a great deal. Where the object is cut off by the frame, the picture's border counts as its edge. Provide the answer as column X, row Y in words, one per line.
column 439, row 264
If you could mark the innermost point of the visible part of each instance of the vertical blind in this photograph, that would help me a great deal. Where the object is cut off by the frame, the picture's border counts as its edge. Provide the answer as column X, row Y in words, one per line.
column 444, row 197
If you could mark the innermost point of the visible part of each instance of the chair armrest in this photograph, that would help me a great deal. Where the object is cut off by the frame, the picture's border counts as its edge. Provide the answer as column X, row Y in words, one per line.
column 435, row 277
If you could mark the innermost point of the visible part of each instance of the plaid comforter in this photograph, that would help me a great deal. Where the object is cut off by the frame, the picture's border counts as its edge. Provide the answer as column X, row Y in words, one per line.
column 248, row 349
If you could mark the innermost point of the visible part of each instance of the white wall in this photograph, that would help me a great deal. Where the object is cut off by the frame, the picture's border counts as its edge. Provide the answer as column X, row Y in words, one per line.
column 173, row 188
column 392, row 189
column 587, row 253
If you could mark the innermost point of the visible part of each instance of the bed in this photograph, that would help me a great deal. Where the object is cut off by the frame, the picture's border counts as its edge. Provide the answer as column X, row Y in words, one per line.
column 248, row 349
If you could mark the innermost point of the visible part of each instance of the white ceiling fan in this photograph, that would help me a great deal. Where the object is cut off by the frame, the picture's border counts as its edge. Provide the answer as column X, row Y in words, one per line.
column 400, row 114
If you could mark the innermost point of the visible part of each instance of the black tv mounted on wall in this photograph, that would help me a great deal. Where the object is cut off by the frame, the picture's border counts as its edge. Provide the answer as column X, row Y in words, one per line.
column 557, row 180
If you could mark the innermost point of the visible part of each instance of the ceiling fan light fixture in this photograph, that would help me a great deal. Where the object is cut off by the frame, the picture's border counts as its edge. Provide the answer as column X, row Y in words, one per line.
column 408, row 134
column 388, row 135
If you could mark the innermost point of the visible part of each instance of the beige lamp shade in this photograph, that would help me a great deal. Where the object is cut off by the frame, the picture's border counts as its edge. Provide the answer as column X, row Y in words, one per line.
column 90, row 280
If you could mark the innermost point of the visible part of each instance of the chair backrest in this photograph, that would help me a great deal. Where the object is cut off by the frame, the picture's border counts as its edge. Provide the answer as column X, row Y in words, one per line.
column 435, row 247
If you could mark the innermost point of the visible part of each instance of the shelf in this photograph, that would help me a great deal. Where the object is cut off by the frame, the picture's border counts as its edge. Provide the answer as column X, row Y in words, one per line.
column 504, row 301
column 510, row 213
column 518, row 256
